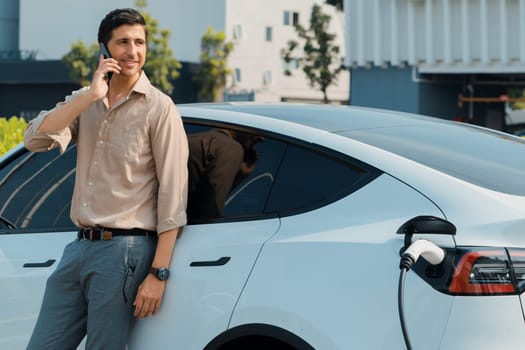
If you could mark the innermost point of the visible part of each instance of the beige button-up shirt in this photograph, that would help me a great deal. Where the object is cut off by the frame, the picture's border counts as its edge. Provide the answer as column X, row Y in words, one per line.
column 131, row 160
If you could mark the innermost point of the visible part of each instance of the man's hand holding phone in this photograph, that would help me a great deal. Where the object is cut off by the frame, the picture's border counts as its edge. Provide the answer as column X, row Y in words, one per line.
column 107, row 66
column 103, row 53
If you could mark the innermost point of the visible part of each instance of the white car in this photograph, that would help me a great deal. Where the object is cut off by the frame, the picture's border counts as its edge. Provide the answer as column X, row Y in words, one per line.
column 306, row 253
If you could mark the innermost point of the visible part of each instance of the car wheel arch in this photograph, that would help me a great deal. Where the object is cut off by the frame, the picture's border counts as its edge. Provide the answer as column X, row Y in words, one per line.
column 256, row 334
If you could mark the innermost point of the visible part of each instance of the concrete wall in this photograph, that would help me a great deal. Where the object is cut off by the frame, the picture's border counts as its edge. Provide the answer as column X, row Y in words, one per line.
column 384, row 88
column 437, row 36
column 28, row 87
column 401, row 90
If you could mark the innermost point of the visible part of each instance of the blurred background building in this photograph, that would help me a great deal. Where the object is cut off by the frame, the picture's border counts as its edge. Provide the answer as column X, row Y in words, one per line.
column 455, row 59
column 34, row 35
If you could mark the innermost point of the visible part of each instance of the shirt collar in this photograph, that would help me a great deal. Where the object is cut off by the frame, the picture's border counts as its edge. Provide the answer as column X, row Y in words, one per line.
column 143, row 85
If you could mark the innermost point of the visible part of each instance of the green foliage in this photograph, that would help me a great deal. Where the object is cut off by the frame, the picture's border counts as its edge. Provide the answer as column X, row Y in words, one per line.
column 213, row 71
column 320, row 59
column 82, row 62
column 161, row 67
column 11, row 132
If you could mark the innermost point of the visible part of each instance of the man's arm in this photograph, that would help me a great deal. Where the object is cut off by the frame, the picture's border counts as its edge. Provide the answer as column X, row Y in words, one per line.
column 170, row 152
column 150, row 292
column 49, row 129
column 61, row 117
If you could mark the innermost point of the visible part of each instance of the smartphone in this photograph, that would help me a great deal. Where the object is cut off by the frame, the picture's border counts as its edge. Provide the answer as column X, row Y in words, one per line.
column 104, row 51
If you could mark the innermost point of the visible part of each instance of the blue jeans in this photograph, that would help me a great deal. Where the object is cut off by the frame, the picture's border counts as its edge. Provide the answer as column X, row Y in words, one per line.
column 92, row 292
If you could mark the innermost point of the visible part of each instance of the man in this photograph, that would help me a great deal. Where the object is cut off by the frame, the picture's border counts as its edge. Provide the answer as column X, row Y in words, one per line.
column 129, row 199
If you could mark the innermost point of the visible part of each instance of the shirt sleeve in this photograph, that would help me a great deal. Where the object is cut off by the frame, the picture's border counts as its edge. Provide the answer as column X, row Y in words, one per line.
column 170, row 152
column 37, row 141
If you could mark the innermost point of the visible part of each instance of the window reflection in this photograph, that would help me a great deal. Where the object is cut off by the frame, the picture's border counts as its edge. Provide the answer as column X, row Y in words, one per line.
column 220, row 160
column 35, row 190
column 232, row 175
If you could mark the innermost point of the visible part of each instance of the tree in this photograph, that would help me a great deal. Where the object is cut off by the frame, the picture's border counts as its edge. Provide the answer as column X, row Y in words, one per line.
column 161, row 67
column 214, row 70
column 320, row 59
column 81, row 61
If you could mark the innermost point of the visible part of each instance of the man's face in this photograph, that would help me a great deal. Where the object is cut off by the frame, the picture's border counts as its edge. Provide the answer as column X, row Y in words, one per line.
column 128, row 46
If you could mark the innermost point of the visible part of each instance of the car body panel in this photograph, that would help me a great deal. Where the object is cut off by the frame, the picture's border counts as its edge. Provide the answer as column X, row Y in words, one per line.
column 302, row 132
column 327, row 275
column 485, row 323
column 202, row 297
column 482, row 216
column 331, row 267
column 23, row 287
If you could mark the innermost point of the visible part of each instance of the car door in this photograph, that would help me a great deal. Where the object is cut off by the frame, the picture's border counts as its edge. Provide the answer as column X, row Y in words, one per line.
column 214, row 256
column 35, row 192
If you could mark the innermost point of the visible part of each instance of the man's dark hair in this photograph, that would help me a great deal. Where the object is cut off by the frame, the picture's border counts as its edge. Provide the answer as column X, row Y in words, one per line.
column 115, row 19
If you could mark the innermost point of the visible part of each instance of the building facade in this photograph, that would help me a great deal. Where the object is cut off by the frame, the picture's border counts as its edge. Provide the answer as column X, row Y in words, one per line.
column 455, row 59
column 259, row 30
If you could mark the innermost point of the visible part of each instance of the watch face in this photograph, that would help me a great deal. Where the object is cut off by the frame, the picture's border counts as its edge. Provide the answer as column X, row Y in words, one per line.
column 163, row 274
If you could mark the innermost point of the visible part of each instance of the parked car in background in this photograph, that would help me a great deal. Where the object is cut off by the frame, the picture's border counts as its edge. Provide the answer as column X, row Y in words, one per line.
column 305, row 253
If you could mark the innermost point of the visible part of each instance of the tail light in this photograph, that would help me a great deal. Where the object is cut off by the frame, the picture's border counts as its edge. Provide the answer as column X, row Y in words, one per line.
column 477, row 271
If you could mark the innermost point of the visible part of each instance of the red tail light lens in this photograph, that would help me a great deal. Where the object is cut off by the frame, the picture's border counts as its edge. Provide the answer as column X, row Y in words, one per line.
column 482, row 272
column 478, row 271
column 517, row 258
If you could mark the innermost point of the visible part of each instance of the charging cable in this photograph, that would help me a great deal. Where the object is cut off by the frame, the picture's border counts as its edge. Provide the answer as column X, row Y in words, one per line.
column 433, row 254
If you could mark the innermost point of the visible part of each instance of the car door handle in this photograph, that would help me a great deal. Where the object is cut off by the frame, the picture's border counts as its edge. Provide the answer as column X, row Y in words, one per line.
column 42, row 264
column 219, row 262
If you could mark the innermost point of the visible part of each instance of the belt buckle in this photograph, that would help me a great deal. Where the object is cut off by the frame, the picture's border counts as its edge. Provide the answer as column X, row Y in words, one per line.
column 106, row 235
column 90, row 234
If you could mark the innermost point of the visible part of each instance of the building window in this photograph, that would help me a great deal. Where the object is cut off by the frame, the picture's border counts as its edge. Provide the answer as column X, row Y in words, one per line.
column 238, row 32
column 295, row 18
column 269, row 34
column 267, row 77
column 292, row 65
column 290, row 18
column 237, row 75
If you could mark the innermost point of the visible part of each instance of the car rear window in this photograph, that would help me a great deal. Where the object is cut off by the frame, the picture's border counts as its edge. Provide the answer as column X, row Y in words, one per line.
column 487, row 158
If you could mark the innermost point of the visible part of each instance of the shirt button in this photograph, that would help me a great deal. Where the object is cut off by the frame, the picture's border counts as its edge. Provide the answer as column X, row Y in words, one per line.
column 101, row 142
column 105, row 121
column 90, row 184
column 84, row 204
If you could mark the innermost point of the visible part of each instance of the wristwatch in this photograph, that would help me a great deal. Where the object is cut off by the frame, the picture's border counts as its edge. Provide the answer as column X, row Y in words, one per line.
column 162, row 273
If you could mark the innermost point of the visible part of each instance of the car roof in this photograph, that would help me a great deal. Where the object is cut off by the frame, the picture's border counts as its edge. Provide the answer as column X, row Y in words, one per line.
column 474, row 154
column 331, row 118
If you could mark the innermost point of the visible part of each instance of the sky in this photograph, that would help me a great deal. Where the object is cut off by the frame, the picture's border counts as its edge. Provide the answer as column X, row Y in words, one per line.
column 51, row 26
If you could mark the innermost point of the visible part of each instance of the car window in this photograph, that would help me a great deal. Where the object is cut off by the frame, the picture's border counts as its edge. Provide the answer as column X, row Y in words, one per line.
column 480, row 156
column 234, row 174
column 231, row 172
column 309, row 178
column 35, row 190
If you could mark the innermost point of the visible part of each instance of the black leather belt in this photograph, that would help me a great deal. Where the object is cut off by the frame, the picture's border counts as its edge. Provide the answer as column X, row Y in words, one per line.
column 106, row 234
